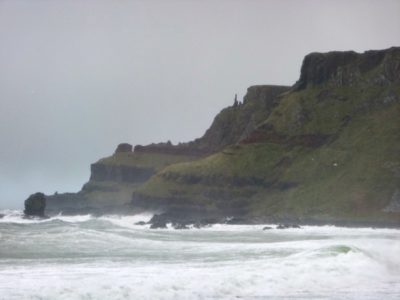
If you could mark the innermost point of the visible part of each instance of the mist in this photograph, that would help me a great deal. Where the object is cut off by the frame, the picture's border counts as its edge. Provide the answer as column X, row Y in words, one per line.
column 79, row 77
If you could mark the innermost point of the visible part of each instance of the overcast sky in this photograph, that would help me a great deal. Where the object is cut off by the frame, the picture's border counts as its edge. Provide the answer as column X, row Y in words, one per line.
column 79, row 77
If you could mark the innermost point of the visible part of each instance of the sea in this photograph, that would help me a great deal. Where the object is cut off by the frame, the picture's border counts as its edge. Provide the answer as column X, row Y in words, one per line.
column 109, row 257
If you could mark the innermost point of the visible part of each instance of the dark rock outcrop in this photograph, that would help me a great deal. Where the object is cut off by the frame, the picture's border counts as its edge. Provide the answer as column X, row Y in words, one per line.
column 35, row 205
column 267, row 228
column 182, row 218
column 158, row 221
column 231, row 125
column 124, row 147
column 320, row 67
column 67, row 203
column 286, row 226
column 235, row 123
column 158, row 226
column 140, row 223
column 348, row 67
column 119, row 173
column 179, row 226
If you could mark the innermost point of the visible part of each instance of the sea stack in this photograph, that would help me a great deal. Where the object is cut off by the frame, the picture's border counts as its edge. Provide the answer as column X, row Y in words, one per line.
column 35, row 205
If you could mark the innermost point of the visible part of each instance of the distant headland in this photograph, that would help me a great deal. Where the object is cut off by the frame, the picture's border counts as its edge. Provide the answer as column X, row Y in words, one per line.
column 323, row 151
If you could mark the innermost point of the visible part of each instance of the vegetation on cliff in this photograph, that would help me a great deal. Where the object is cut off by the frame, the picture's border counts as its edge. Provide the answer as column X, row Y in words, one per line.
column 113, row 180
column 328, row 150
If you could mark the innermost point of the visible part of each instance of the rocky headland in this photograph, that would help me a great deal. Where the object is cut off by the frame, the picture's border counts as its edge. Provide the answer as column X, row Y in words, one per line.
column 323, row 151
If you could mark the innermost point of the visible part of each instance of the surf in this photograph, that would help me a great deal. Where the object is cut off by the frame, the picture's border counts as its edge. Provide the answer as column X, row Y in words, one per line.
column 111, row 257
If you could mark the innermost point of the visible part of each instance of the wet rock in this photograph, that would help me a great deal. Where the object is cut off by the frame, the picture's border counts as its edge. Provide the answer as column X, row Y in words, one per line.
column 180, row 226
column 2, row 216
column 141, row 223
column 158, row 225
column 267, row 228
column 158, row 221
column 197, row 225
column 286, row 226
column 35, row 205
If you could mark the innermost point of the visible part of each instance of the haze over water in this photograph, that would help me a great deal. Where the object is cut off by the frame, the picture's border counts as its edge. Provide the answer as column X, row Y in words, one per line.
column 84, row 257
column 79, row 77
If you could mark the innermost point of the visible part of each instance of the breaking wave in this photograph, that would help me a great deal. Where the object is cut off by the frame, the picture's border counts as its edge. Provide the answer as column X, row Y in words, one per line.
column 109, row 257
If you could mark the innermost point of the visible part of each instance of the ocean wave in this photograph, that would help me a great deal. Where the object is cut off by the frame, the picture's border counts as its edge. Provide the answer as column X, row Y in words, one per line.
column 129, row 221
column 109, row 257
column 18, row 217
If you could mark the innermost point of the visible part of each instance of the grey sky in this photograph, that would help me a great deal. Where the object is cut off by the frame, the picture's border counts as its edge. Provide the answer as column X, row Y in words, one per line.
column 78, row 77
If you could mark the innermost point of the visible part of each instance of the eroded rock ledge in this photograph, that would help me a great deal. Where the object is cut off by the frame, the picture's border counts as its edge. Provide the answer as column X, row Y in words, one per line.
column 345, row 68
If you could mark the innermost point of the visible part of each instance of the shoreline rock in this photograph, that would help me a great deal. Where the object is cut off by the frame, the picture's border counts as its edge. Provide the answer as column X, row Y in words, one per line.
column 35, row 205
column 286, row 226
column 181, row 218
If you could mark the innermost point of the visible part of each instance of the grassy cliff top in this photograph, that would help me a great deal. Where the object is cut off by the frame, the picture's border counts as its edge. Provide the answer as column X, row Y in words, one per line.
column 155, row 161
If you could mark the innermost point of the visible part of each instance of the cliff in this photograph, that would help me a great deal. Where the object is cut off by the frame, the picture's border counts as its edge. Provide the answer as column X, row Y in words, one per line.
column 328, row 152
column 325, row 150
column 114, row 179
column 236, row 122
column 375, row 67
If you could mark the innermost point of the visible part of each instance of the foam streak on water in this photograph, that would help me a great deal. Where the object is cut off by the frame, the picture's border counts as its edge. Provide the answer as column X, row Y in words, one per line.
column 109, row 257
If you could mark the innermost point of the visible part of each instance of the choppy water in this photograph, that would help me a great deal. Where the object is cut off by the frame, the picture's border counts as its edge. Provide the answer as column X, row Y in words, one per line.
column 83, row 257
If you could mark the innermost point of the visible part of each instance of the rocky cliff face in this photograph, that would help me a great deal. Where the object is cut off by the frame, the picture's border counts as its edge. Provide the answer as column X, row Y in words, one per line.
column 336, row 68
column 321, row 154
column 119, row 173
column 231, row 125
column 236, row 122
column 113, row 179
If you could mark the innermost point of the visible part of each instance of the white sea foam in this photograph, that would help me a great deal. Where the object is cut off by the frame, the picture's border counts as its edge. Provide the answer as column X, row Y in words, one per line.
column 128, row 221
column 17, row 216
column 109, row 257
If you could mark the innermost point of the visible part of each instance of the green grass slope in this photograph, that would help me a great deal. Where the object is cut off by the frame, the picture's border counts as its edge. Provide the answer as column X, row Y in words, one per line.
column 155, row 161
